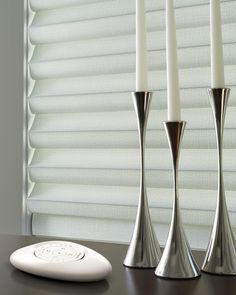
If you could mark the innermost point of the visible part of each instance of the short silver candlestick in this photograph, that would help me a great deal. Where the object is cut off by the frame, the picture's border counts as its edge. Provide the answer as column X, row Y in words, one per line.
column 221, row 251
column 144, row 250
column 177, row 261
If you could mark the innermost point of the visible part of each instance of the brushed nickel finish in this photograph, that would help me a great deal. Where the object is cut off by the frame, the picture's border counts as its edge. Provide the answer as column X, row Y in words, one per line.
column 177, row 261
column 221, row 251
column 144, row 250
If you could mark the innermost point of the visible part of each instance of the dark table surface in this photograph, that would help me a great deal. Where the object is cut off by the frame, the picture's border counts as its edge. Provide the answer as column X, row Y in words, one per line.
column 122, row 281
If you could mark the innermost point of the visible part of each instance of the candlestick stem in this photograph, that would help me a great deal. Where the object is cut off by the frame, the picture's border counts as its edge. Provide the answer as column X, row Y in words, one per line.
column 221, row 251
column 144, row 250
column 177, row 261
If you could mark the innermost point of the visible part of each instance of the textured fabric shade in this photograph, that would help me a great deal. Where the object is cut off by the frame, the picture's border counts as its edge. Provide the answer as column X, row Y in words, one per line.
column 83, row 142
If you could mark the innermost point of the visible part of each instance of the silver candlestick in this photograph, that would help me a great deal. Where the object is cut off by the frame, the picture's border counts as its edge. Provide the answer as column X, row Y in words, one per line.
column 144, row 250
column 221, row 254
column 177, row 261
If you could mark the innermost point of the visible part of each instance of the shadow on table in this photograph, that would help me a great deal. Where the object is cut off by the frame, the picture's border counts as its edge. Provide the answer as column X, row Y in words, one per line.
column 219, row 284
column 143, row 282
column 43, row 286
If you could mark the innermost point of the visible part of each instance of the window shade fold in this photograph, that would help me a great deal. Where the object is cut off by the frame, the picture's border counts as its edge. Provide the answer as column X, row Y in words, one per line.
column 124, row 24
column 38, row 5
column 124, row 196
column 128, row 159
column 56, row 225
column 189, row 78
column 124, row 63
column 159, row 215
column 198, row 138
column 126, row 43
column 116, row 101
column 124, row 120
column 121, row 177
column 83, row 164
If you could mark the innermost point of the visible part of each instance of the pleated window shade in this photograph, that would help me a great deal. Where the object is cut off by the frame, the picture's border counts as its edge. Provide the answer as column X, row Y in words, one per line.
column 83, row 142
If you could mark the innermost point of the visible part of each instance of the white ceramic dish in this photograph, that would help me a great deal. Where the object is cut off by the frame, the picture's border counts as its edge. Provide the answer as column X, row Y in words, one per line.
column 62, row 260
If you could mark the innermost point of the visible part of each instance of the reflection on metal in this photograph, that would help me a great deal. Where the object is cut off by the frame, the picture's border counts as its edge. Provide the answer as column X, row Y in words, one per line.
column 177, row 261
column 144, row 250
column 221, row 255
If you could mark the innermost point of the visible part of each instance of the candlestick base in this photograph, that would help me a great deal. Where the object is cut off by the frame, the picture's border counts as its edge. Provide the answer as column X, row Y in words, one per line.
column 144, row 250
column 221, row 251
column 177, row 261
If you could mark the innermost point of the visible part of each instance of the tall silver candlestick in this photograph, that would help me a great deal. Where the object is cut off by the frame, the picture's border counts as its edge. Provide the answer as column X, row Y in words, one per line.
column 177, row 261
column 144, row 250
column 221, row 251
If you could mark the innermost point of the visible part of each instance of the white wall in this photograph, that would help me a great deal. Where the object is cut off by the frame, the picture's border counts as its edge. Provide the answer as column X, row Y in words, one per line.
column 11, row 113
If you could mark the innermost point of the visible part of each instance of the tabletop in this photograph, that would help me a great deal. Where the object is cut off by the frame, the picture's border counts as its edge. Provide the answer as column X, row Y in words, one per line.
column 122, row 281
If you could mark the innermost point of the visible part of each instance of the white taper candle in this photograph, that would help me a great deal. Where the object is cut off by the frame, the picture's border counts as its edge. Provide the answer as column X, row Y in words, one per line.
column 141, row 47
column 173, row 94
column 217, row 61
